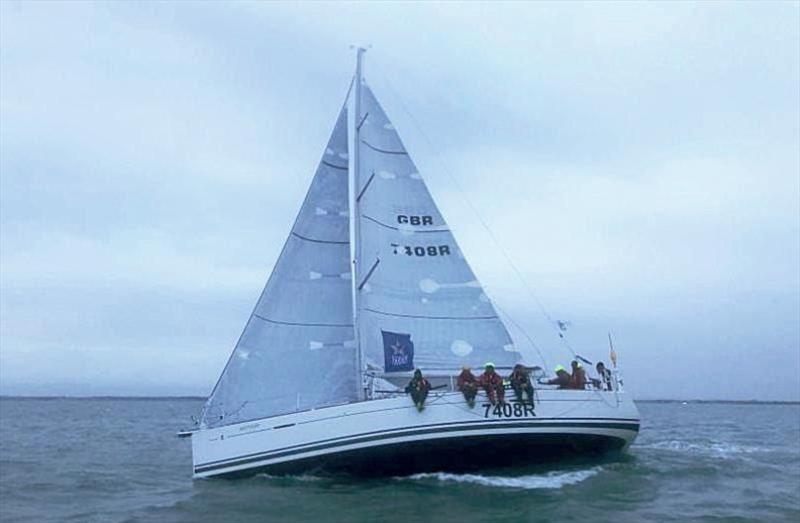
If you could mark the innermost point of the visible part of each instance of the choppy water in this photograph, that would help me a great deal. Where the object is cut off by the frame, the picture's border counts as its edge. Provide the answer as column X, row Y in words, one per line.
column 118, row 460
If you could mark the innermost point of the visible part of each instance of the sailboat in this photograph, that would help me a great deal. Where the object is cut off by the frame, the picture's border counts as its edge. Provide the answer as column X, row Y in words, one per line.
column 369, row 286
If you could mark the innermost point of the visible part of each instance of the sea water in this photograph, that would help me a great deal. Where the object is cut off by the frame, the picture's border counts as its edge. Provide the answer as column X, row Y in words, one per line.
column 109, row 460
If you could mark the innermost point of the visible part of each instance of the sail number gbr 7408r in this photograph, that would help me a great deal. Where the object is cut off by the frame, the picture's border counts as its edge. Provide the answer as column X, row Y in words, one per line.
column 418, row 250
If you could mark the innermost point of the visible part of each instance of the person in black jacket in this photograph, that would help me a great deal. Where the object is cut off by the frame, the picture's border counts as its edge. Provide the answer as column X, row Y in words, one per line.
column 604, row 383
column 521, row 383
column 418, row 387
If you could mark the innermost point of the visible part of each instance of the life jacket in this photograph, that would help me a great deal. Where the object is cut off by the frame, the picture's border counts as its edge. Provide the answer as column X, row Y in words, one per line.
column 418, row 384
column 466, row 378
column 562, row 379
column 492, row 379
column 519, row 377
column 578, row 380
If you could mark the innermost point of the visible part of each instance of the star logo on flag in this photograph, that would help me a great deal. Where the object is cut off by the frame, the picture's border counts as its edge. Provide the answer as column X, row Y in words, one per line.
column 398, row 350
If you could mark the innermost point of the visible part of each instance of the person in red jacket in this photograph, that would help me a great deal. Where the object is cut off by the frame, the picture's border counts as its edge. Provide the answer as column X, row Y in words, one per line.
column 468, row 385
column 418, row 387
column 492, row 383
column 562, row 379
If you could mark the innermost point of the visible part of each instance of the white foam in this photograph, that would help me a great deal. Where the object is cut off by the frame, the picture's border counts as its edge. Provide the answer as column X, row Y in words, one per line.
column 717, row 450
column 301, row 477
column 550, row 480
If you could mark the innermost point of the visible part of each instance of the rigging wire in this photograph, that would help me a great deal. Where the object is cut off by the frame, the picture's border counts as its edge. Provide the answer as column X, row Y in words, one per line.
column 483, row 223
column 524, row 333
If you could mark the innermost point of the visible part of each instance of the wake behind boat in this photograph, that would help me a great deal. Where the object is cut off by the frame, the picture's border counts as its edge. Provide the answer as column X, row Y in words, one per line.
column 370, row 285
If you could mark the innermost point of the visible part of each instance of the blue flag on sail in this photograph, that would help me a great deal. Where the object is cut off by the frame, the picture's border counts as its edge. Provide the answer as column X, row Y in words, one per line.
column 398, row 352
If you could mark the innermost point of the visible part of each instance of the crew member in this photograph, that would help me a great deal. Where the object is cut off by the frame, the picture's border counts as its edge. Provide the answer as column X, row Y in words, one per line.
column 562, row 378
column 418, row 387
column 605, row 376
column 468, row 385
column 578, row 380
column 521, row 382
column 492, row 383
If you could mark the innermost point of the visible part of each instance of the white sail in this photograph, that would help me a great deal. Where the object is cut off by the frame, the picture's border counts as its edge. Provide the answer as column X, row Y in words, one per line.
column 297, row 350
column 414, row 281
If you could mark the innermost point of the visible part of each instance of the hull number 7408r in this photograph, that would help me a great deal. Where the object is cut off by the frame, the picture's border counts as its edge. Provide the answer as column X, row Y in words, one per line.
column 508, row 410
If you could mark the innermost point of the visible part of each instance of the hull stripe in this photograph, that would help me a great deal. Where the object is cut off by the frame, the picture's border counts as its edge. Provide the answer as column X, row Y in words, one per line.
column 350, row 440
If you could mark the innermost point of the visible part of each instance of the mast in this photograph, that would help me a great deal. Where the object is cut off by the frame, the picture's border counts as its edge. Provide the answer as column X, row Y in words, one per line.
column 355, row 225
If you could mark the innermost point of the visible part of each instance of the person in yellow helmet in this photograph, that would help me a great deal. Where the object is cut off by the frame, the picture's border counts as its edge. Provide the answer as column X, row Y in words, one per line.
column 578, row 380
column 562, row 378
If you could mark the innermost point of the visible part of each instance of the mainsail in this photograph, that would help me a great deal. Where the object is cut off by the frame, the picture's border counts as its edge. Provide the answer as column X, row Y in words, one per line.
column 297, row 350
column 414, row 279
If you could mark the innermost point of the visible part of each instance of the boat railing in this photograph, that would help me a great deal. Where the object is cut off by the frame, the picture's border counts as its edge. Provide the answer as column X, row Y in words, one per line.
column 385, row 385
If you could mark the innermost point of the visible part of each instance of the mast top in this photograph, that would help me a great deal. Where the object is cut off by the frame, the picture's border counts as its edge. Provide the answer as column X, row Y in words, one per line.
column 360, row 50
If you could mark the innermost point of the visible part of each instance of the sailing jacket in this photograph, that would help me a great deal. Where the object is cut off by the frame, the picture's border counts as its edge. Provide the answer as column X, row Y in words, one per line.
column 418, row 385
column 490, row 380
column 519, row 378
column 562, row 379
column 578, row 380
column 467, row 380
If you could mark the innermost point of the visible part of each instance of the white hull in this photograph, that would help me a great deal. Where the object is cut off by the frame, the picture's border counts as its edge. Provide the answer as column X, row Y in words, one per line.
column 390, row 436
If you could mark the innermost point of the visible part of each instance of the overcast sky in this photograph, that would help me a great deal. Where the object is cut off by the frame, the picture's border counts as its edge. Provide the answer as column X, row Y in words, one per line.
column 638, row 162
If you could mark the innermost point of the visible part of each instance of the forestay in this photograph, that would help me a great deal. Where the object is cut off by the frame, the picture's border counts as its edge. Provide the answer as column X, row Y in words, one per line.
column 414, row 279
column 297, row 350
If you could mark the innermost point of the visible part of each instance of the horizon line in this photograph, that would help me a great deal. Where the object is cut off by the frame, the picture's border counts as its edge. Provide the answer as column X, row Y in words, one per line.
column 193, row 397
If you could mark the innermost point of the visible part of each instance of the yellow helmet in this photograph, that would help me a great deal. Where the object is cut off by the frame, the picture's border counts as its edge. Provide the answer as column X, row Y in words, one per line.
column 560, row 367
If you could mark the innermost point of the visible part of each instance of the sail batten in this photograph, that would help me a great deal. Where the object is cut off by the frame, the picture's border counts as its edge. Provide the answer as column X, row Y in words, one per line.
column 430, row 317
column 318, row 240
column 300, row 324
column 384, row 151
